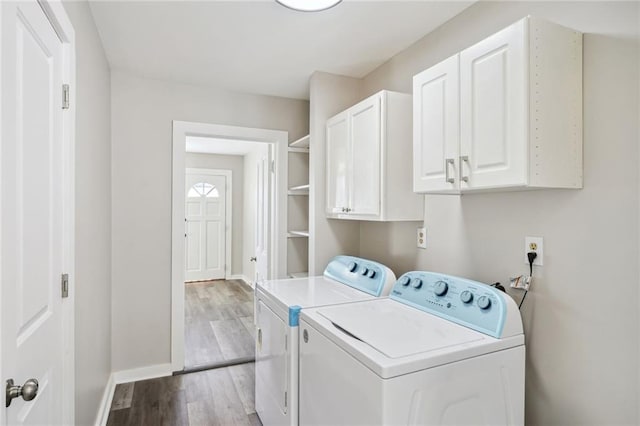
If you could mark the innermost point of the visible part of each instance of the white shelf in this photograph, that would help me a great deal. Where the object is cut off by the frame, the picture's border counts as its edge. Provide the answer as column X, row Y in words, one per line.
column 298, row 275
column 298, row 234
column 303, row 142
column 300, row 150
column 299, row 190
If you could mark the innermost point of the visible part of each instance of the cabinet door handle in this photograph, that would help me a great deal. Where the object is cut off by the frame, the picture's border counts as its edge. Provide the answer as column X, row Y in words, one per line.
column 448, row 162
column 464, row 159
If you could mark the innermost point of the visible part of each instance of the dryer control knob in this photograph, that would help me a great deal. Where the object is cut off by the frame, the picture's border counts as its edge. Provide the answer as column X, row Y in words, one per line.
column 405, row 281
column 416, row 283
column 466, row 296
column 364, row 271
column 440, row 288
column 484, row 302
column 352, row 266
column 371, row 273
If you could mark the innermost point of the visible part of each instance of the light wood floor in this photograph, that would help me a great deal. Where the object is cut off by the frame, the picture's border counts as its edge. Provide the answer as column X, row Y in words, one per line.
column 218, row 322
column 222, row 396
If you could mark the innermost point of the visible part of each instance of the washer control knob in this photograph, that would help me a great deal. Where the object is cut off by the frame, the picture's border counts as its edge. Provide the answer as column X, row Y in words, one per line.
column 364, row 271
column 440, row 288
column 352, row 266
column 484, row 302
column 466, row 296
column 416, row 283
column 405, row 281
column 371, row 273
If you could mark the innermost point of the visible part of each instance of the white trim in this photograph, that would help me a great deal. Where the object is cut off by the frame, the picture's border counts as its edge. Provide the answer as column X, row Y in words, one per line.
column 142, row 373
column 55, row 12
column 105, row 402
column 278, row 243
column 228, row 211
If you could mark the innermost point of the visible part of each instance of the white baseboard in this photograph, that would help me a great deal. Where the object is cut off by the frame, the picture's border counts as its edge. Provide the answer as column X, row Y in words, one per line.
column 105, row 403
column 142, row 373
column 246, row 280
column 126, row 376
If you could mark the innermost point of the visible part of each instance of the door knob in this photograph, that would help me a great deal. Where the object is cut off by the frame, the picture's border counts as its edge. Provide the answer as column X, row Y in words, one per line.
column 253, row 259
column 28, row 391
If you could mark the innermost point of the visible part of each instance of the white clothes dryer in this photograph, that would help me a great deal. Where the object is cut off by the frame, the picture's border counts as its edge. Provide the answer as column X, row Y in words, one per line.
column 440, row 350
column 278, row 305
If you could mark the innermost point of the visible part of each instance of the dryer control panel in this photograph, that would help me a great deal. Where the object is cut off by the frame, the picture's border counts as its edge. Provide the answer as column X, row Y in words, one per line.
column 362, row 274
column 465, row 302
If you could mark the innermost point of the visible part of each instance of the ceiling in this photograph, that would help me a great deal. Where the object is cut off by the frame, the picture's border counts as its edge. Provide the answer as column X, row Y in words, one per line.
column 260, row 46
column 202, row 145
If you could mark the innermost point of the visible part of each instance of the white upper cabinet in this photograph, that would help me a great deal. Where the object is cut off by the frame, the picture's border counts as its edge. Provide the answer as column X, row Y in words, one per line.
column 337, row 156
column 505, row 113
column 369, row 161
column 436, row 128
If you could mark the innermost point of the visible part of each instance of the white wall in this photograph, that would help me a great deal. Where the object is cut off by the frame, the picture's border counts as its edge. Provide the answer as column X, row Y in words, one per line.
column 235, row 163
column 93, row 215
column 581, row 317
column 142, row 113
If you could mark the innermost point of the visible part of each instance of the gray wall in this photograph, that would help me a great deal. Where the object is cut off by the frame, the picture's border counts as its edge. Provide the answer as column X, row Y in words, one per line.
column 581, row 317
column 329, row 94
column 235, row 163
column 141, row 117
column 93, row 216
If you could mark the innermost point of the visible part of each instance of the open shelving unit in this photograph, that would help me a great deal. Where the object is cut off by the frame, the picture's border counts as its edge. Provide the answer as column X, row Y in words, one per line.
column 298, row 209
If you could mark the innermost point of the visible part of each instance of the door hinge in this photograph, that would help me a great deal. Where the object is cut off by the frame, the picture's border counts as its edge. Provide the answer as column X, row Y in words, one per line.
column 285, row 399
column 286, row 343
column 64, row 284
column 65, row 96
column 273, row 166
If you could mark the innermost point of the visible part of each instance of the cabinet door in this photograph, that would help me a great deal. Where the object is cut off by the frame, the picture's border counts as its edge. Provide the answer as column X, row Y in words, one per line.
column 338, row 164
column 493, row 103
column 436, row 128
column 365, row 128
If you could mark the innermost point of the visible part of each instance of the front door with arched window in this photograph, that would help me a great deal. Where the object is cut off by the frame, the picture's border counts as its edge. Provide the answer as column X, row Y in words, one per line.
column 205, row 226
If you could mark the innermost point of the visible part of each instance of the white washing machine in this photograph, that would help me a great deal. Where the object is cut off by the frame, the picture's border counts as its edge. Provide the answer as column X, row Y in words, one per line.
column 278, row 305
column 440, row 350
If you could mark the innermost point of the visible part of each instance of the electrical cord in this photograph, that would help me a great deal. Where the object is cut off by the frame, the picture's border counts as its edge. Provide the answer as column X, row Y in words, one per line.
column 531, row 256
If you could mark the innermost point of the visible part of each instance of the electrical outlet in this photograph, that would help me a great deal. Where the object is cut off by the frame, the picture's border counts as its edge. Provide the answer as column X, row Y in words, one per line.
column 534, row 244
column 421, row 238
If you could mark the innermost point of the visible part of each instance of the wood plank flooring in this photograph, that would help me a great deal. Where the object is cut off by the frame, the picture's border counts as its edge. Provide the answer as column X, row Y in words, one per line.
column 218, row 322
column 222, row 396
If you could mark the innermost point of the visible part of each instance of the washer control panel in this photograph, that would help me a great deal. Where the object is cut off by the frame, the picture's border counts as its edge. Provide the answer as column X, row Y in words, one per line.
column 465, row 302
column 365, row 275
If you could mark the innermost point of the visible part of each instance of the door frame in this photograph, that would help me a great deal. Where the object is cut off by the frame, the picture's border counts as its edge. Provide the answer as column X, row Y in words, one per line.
column 278, row 207
column 57, row 16
column 228, row 218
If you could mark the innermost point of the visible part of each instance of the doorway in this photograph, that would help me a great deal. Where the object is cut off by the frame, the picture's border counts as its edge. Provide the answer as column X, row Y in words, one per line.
column 226, row 298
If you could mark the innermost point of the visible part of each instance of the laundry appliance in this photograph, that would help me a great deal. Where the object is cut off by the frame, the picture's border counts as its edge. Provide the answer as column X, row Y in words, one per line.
column 278, row 305
column 440, row 350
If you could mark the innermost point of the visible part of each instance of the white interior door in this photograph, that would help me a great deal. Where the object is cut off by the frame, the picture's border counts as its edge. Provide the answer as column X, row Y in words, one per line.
column 34, row 224
column 205, row 208
column 263, row 214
